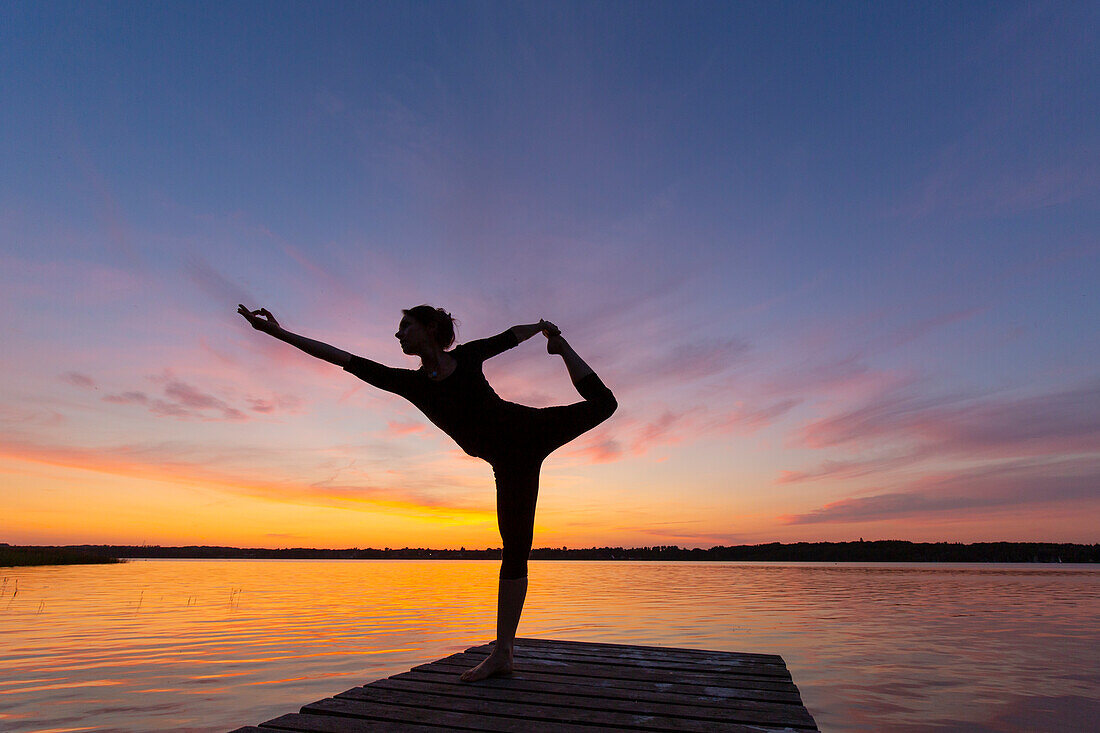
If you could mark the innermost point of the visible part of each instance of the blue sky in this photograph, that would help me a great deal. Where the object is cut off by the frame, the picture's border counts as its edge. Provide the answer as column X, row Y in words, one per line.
column 837, row 261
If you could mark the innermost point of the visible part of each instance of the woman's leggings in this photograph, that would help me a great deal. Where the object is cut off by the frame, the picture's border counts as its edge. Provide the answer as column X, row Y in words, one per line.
column 517, row 465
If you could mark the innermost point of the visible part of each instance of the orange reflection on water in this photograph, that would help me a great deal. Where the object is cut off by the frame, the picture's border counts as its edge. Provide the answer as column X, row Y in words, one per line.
column 215, row 676
column 27, row 682
column 62, row 686
column 871, row 647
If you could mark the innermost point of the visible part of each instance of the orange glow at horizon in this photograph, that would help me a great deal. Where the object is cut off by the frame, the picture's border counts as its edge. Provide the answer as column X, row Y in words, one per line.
column 70, row 498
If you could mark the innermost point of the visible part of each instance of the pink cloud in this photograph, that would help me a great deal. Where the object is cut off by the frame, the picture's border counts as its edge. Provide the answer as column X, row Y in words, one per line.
column 661, row 431
column 746, row 419
column 692, row 360
column 598, row 449
column 127, row 398
column 971, row 493
column 639, row 430
column 696, row 421
column 270, row 405
column 855, row 468
column 1057, row 422
column 78, row 380
column 184, row 400
column 405, row 428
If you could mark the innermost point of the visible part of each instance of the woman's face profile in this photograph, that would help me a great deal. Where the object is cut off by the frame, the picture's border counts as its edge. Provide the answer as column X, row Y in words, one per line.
column 412, row 336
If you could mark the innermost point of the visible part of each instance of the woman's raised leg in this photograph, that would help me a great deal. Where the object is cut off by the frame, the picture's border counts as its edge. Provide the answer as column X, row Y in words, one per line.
column 559, row 425
column 577, row 367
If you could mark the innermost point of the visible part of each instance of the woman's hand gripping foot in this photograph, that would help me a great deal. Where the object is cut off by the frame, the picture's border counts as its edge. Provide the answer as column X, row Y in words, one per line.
column 555, row 344
column 497, row 664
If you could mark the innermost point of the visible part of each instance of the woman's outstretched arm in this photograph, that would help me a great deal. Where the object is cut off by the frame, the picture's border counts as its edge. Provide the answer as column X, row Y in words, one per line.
column 527, row 331
column 487, row 348
column 262, row 320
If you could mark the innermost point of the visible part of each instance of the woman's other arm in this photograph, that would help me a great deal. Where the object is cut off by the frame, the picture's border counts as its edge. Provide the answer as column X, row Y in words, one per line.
column 487, row 348
column 262, row 320
column 527, row 331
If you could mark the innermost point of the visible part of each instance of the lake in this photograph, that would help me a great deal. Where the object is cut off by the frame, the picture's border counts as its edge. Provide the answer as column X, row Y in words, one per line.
column 210, row 645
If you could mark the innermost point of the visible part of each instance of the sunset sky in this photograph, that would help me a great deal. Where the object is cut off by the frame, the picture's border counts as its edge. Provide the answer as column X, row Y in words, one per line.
column 838, row 262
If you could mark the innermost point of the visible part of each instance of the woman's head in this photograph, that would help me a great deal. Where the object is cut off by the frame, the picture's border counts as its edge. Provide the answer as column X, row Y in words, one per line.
column 424, row 322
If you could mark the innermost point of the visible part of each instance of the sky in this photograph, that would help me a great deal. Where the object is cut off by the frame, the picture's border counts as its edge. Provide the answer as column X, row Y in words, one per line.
column 837, row 261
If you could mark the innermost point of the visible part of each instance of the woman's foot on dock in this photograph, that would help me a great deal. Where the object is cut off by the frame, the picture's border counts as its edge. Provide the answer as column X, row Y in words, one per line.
column 495, row 665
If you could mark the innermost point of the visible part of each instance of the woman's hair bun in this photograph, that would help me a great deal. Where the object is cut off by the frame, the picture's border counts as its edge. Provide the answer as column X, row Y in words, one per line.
column 437, row 318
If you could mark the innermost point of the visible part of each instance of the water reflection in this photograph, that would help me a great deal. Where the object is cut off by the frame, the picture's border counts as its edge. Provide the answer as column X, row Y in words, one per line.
column 211, row 645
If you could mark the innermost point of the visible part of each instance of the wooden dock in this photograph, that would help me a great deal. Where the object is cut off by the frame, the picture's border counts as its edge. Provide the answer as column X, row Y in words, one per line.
column 570, row 687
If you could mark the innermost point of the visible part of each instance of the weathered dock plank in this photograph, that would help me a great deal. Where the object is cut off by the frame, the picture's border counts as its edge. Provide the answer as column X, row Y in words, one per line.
column 582, row 700
column 570, row 687
column 594, row 647
column 638, row 674
column 447, row 667
column 604, row 695
column 703, row 666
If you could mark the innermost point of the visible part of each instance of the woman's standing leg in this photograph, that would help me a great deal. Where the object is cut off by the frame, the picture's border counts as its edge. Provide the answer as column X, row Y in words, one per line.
column 517, row 477
column 517, row 493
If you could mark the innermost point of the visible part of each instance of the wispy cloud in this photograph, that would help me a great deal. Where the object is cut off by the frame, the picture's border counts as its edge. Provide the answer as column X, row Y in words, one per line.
column 184, row 400
column 672, row 535
column 214, row 284
column 596, row 449
column 915, row 330
column 127, row 398
column 417, row 495
column 269, row 405
column 834, row 469
column 660, row 431
column 1017, row 484
column 105, row 203
column 405, row 428
column 1056, row 422
column 744, row 419
column 191, row 398
column 975, row 180
column 689, row 361
column 78, row 380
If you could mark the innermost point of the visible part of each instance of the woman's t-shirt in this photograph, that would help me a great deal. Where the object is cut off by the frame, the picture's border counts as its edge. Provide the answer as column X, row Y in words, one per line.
column 463, row 405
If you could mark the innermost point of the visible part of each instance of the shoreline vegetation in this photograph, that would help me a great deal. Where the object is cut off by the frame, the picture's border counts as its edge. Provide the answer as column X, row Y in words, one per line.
column 11, row 556
column 859, row 551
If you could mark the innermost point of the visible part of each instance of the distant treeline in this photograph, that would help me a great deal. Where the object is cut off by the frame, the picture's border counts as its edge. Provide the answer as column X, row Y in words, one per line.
column 12, row 556
column 875, row 551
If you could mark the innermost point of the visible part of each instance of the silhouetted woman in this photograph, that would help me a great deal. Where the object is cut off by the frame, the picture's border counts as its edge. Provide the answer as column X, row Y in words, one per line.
column 451, row 390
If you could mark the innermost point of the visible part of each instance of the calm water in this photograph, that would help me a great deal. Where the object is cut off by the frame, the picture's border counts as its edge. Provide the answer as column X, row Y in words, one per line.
column 212, row 645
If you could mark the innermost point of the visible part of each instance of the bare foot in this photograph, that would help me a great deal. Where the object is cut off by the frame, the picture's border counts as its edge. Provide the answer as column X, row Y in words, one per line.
column 495, row 665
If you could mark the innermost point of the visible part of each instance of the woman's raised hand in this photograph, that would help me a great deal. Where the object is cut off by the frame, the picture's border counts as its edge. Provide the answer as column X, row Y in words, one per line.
column 549, row 329
column 261, row 320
